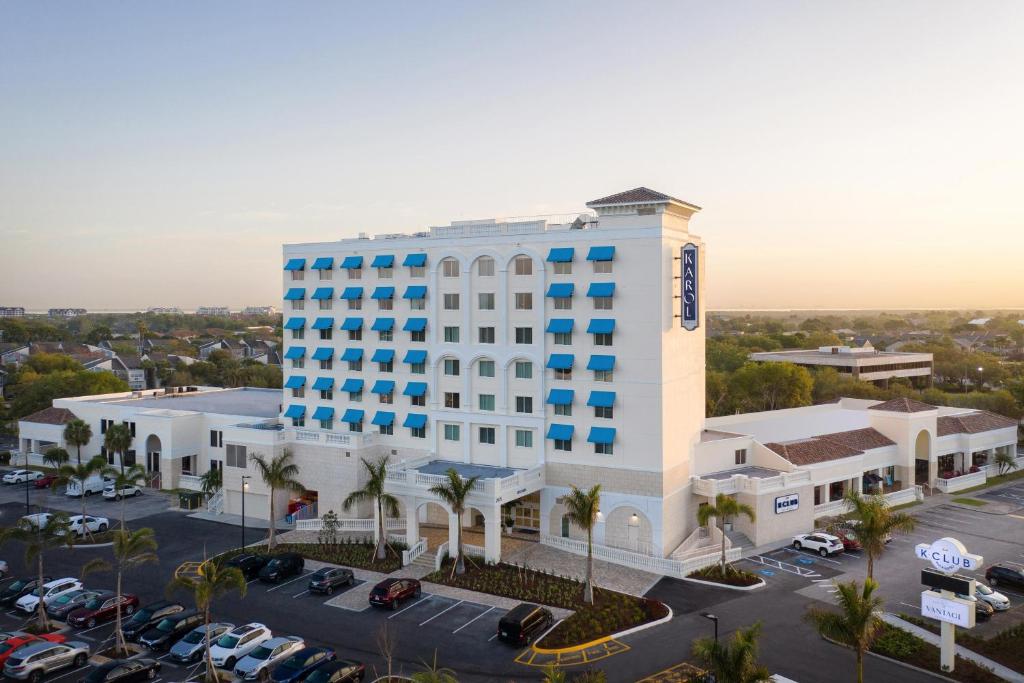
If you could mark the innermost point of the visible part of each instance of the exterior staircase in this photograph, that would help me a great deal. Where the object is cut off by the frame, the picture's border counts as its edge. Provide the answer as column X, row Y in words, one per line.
column 426, row 560
column 739, row 540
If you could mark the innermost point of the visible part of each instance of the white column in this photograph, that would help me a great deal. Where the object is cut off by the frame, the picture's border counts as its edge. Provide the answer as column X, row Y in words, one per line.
column 492, row 534
column 412, row 522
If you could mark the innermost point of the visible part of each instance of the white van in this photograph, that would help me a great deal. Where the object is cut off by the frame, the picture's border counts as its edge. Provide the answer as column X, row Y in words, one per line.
column 94, row 484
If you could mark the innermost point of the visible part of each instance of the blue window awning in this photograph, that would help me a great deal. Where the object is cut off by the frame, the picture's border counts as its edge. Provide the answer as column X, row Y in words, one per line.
column 601, row 399
column 353, row 415
column 384, row 418
column 351, row 262
column 295, row 294
column 601, row 435
column 561, row 397
column 415, row 389
column 323, row 293
column 415, row 292
column 560, row 432
column 352, row 385
column 601, row 289
column 415, row 420
column 324, row 263
column 561, row 290
column 601, row 254
column 415, row 356
column 560, row 361
column 560, row 255
column 295, row 382
column 383, row 261
column 383, row 325
column 383, row 356
column 323, row 324
column 351, row 355
column 295, row 264
column 415, row 325
column 295, row 411
column 352, row 324
column 323, row 413
column 323, row 353
column 384, row 293
column 383, row 386
column 295, row 324
column 295, row 352
column 601, row 326
column 323, row 384
column 560, row 325
column 601, row 363
column 415, row 260
column 352, row 293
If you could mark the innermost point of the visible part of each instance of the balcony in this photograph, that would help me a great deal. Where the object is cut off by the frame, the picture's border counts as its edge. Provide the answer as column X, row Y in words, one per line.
column 272, row 433
column 752, row 479
column 495, row 485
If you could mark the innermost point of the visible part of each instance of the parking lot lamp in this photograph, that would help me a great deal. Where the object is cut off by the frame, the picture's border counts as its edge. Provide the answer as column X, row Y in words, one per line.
column 712, row 617
column 245, row 486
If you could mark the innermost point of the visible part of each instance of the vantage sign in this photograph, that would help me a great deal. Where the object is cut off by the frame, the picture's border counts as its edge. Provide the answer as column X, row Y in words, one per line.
column 948, row 555
column 955, row 611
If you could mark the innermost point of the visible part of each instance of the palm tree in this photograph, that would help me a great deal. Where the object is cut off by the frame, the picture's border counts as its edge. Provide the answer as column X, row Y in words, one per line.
column 856, row 623
column 80, row 473
column 118, row 439
column 37, row 540
column 432, row 673
column 122, row 480
column 211, row 482
column 726, row 509
column 454, row 492
column 385, row 503
column 277, row 473
column 55, row 457
column 877, row 524
column 734, row 661
column 211, row 580
column 1005, row 461
column 131, row 549
column 582, row 508
column 77, row 433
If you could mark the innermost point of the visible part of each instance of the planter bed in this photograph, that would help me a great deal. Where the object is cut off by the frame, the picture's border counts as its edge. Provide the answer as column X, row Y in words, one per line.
column 109, row 654
column 905, row 647
column 358, row 555
column 1005, row 647
column 733, row 576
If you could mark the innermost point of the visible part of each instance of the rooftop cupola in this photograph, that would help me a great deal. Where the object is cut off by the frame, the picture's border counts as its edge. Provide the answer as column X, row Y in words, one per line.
column 642, row 208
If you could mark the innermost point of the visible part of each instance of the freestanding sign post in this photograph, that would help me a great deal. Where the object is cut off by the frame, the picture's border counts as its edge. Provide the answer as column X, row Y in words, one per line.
column 948, row 555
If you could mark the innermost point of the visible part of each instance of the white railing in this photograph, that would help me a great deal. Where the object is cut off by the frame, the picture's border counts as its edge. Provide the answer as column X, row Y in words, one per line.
column 648, row 563
column 960, row 483
column 352, row 524
column 738, row 483
column 526, row 481
column 830, row 509
column 901, row 497
column 412, row 553
column 216, row 503
column 190, row 482
column 992, row 470
column 442, row 550
column 703, row 540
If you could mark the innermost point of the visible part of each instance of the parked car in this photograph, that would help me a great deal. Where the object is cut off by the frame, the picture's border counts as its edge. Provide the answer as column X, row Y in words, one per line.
column 110, row 492
column 821, row 543
column 170, row 630
column 338, row 671
column 523, row 623
column 249, row 565
column 848, row 537
column 34, row 661
column 999, row 602
column 124, row 671
column 45, row 481
column 1005, row 575
column 78, row 524
column 49, row 590
column 258, row 663
column 9, row 645
column 4, row 569
column 390, row 592
column 237, row 643
column 38, row 520
column 15, row 589
column 982, row 610
column 327, row 579
column 301, row 664
column 191, row 647
column 63, row 605
column 22, row 476
column 103, row 608
column 281, row 567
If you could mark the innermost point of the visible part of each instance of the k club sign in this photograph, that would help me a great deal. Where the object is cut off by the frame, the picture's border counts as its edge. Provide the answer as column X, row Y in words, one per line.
column 690, row 286
column 948, row 555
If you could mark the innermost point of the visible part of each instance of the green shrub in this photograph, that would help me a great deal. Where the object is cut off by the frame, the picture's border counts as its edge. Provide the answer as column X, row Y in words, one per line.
column 896, row 643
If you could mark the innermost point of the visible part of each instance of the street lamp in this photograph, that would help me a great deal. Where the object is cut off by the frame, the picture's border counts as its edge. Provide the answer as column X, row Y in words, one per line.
column 712, row 617
column 981, row 378
column 245, row 487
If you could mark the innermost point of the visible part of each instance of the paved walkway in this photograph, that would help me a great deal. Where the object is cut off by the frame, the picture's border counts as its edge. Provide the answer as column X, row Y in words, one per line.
column 606, row 575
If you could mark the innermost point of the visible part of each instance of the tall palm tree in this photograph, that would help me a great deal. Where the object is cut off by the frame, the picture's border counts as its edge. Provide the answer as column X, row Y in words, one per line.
column 55, row 457
column 877, row 524
column 726, row 509
column 385, row 503
column 734, row 661
column 118, row 439
column 80, row 473
column 77, row 433
column 211, row 580
column 278, row 473
column 454, row 492
column 1005, row 461
column 582, row 508
column 38, row 540
column 131, row 549
column 211, row 482
column 122, row 480
column 856, row 622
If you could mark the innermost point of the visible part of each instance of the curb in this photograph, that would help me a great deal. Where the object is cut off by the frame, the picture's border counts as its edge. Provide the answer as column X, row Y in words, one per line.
column 893, row 661
column 602, row 639
column 754, row 587
column 87, row 546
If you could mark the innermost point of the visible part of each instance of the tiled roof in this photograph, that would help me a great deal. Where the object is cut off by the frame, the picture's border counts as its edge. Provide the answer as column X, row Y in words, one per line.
column 862, row 439
column 973, row 423
column 832, row 446
column 638, row 195
column 902, row 405
column 50, row 416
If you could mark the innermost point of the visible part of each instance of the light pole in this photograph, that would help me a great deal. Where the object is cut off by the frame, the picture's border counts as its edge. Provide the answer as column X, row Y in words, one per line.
column 28, row 507
column 712, row 617
column 245, row 486
column 981, row 378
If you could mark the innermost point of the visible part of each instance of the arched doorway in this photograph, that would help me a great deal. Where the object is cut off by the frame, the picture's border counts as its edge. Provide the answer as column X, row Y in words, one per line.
column 153, row 451
column 628, row 528
column 922, row 457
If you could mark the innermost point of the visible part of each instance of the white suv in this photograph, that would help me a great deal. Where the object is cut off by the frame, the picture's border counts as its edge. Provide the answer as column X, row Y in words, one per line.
column 237, row 643
column 112, row 493
column 823, row 544
column 49, row 592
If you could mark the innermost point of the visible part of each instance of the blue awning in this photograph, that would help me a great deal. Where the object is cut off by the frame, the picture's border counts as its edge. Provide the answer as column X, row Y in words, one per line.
column 352, row 324
column 601, row 435
column 323, row 413
column 601, row 289
column 561, row 290
column 601, row 363
column 295, row 264
column 383, row 325
column 384, row 293
column 560, row 432
column 415, row 260
column 323, row 353
column 323, row 293
column 295, row 411
column 415, row 389
column 561, row 397
column 323, row 324
column 383, row 356
column 353, row 415
column 560, row 325
column 324, row 263
column 295, row 352
column 415, row 420
column 295, row 382
column 601, row 326
column 295, row 324
column 351, row 355
column 415, row 325
column 560, row 255
column 383, row 418
column 323, row 384
column 414, row 356
column 560, row 361
column 352, row 293
column 352, row 262
column 383, row 261
column 601, row 399
column 352, row 385
column 601, row 254
column 415, row 292
column 295, row 294
column 383, row 386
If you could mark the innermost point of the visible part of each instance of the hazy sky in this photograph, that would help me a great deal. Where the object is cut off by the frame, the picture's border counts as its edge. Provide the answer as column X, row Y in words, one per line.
column 857, row 154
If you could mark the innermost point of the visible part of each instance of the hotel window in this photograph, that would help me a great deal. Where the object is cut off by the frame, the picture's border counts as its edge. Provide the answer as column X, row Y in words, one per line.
column 387, row 398
column 451, row 399
column 355, row 335
column 563, row 338
column 299, row 393
column 385, row 304
column 418, row 271
column 450, row 267
column 418, row 336
column 606, row 412
column 235, row 456
column 485, row 301
column 355, row 365
column 355, row 426
column 563, row 445
column 298, row 422
column 563, row 268
column 386, row 429
column 451, row 367
column 388, row 366
column 603, row 375
column 602, row 267
column 563, row 409
column 216, row 437
column 326, row 274
column 355, row 273
column 298, row 305
column 524, row 335
column 451, row 302
column 299, row 334
column 487, row 435
column 451, row 432
column 523, row 265
column 524, row 438
column 486, row 402
column 563, row 303
column 486, row 335
column 485, row 267
column 418, row 432
column 327, row 364
column 356, row 396
column 420, row 401
column 418, row 368
column 602, row 303
column 524, row 404
column 327, row 334
column 327, row 395
column 524, row 369
column 741, row 456
column 355, row 304
column 524, row 301
column 326, row 304
column 385, row 273
column 328, row 423
column 603, row 449
column 485, row 368
column 603, row 339
column 386, row 335
column 565, row 374
column 451, row 334
column 298, row 275
column 417, row 304
column 298, row 363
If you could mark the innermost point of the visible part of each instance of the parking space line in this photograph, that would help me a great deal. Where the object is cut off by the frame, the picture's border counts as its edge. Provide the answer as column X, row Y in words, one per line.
column 492, row 637
column 297, row 595
column 68, row 673
column 489, row 609
column 282, row 585
column 418, row 602
column 442, row 612
column 814, row 555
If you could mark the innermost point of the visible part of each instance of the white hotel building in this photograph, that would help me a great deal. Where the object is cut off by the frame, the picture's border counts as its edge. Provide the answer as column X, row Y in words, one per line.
column 536, row 355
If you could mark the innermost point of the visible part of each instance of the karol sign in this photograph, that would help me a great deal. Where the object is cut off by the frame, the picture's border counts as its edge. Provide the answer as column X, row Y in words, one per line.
column 787, row 503
column 690, row 313
column 948, row 555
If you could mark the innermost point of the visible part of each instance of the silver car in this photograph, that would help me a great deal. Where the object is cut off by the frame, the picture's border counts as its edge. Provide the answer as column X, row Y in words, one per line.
column 191, row 647
column 32, row 662
column 257, row 664
column 61, row 607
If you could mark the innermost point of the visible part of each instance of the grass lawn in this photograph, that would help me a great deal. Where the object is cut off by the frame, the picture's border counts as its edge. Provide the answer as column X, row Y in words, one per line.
column 1006, row 647
column 358, row 555
column 905, row 647
column 911, row 504
column 970, row 501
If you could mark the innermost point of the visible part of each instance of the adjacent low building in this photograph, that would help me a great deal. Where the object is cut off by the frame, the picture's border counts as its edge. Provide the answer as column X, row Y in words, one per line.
column 863, row 363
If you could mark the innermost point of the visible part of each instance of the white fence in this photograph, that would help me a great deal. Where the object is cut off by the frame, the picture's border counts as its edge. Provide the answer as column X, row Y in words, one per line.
column 648, row 563
column 190, row 482
column 370, row 525
column 412, row 553
column 960, row 483
column 892, row 499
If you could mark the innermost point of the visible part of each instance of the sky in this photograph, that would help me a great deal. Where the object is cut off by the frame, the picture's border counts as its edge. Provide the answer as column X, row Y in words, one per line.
column 846, row 154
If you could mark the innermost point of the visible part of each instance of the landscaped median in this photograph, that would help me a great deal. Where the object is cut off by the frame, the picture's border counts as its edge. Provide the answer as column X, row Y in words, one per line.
column 1005, row 647
column 352, row 554
column 737, row 579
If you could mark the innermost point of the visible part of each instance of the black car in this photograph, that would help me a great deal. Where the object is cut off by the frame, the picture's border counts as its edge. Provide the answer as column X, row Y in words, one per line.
column 171, row 629
column 327, row 579
column 982, row 610
column 123, row 671
column 281, row 567
column 1005, row 575
column 341, row 671
column 16, row 589
column 523, row 623
column 249, row 565
column 148, row 617
column 297, row 667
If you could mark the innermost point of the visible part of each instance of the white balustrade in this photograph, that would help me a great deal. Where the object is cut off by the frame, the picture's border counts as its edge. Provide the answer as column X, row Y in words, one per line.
column 412, row 553
column 190, row 482
column 649, row 563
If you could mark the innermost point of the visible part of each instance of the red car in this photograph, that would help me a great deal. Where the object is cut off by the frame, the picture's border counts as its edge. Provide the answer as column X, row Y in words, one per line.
column 390, row 592
column 45, row 482
column 849, row 539
column 102, row 608
column 14, row 642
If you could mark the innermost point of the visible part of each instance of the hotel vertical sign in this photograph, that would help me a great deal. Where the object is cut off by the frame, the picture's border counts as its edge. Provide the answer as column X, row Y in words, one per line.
column 689, row 293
